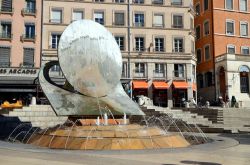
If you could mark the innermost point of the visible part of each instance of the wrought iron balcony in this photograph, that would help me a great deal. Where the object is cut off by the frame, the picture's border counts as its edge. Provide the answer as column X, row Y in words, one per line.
column 6, row 10
column 5, row 36
column 157, row 2
column 5, row 64
column 26, row 37
column 28, row 11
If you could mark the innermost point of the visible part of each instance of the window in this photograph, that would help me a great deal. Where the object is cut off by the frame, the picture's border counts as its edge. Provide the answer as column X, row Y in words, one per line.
column 6, row 6
column 119, row 1
column 178, row 45
column 179, row 70
column 139, row 20
column 159, row 70
column 140, row 70
column 244, row 80
column 4, row 56
column 207, row 52
column 55, row 40
column 206, row 4
column 119, row 18
column 198, row 9
column 176, row 2
column 230, row 49
column 120, row 42
column 99, row 17
column 206, row 28
column 99, row 0
column 158, row 20
column 56, row 16
column 245, row 50
column 28, row 57
column 192, row 47
column 243, row 29
column 77, row 15
column 139, row 43
column 159, row 44
column 29, row 31
column 229, row 4
column 208, row 79
column 200, row 81
column 199, row 56
column 139, row 1
column 124, row 69
column 230, row 27
column 177, row 21
column 243, row 5
column 30, row 6
column 198, row 32
column 55, row 68
column 159, row 2
column 5, row 30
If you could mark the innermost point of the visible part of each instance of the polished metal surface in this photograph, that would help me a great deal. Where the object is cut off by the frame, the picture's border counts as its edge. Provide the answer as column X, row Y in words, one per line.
column 90, row 58
column 92, row 64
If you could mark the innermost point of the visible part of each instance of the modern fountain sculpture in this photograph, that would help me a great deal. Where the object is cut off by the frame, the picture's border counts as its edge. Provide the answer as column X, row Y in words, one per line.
column 91, row 62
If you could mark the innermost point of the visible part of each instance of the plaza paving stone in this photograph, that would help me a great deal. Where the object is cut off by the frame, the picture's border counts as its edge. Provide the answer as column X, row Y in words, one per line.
column 226, row 149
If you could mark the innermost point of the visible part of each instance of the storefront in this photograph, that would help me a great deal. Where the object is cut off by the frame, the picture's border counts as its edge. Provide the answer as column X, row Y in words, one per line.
column 139, row 88
column 19, row 84
column 179, row 93
column 160, row 93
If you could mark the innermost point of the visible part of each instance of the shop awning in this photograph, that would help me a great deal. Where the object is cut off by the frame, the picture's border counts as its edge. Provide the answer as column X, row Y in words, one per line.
column 160, row 85
column 180, row 84
column 194, row 86
column 140, row 85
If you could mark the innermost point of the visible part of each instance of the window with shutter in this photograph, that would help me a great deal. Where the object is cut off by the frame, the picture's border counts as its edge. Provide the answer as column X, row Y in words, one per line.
column 119, row 19
column 28, row 57
column 243, row 5
column 245, row 50
column 207, row 52
column 244, row 29
column 177, row 21
column 77, row 15
column 4, row 56
column 6, row 6
column 158, row 20
column 230, row 27
column 231, row 49
column 56, row 16
column 229, row 4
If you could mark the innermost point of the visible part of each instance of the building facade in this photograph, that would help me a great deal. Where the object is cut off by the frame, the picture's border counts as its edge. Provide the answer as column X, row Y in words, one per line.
column 155, row 37
column 20, row 47
column 222, row 49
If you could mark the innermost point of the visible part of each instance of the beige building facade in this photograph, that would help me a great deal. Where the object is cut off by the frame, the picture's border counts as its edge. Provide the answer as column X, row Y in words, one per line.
column 20, row 47
column 158, row 55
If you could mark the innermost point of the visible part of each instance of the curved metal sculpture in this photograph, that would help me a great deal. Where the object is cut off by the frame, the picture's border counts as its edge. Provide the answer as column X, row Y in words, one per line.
column 92, row 64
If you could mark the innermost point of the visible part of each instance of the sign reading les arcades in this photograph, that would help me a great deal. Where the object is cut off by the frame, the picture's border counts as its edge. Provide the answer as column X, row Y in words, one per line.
column 18, row 71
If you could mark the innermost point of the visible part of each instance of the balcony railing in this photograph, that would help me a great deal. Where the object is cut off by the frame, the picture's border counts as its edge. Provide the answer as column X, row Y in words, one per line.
column 177, row 26
column 6, row 10
column 26, row 37
column 28, row 11
column 138, row 1
column 5, row 64
column 157, row 25
column 157, row 2
column 27, row 65
column 159, row 49
column 180, row 3
column 139, row 24
column 179, row 75
column 178, row 50
column 159, row 74
column 55, row 21
column 139, row 74
column 139, row 49
column 6, row 36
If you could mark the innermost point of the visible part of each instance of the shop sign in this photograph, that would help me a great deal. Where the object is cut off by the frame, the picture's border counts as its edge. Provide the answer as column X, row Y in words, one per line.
column 18, row 72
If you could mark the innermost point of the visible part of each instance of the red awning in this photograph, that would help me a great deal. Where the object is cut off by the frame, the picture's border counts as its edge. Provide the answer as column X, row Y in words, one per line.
column 194, row 86
column 180, row 84
column 160, row 85
column 140, row 85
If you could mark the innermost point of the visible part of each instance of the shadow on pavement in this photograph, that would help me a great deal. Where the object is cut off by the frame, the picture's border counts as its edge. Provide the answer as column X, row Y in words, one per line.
column 242, row 138
column 198, row 163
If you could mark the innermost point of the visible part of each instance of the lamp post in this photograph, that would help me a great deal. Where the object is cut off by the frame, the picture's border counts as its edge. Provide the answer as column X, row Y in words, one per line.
column 129, row 75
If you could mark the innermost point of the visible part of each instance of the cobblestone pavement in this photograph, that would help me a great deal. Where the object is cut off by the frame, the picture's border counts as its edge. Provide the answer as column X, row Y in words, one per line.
column 226, row 149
